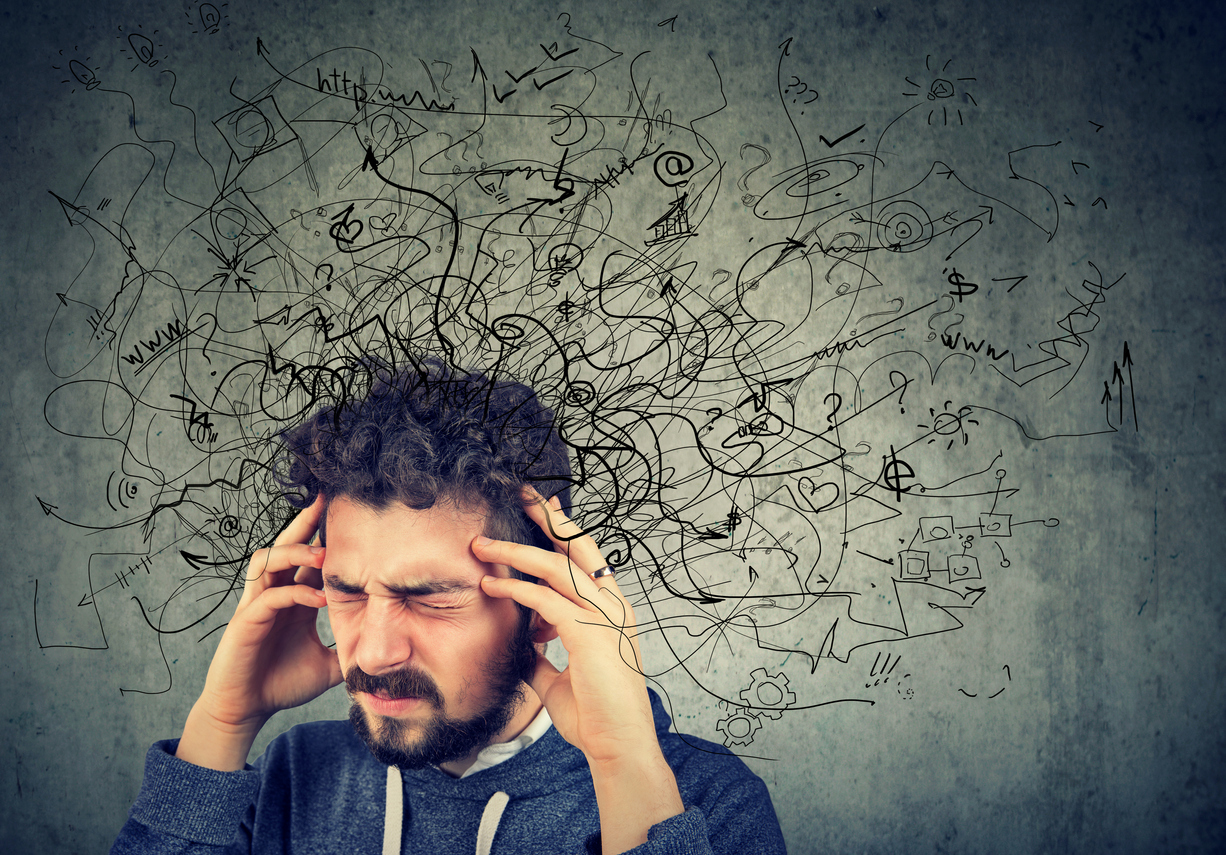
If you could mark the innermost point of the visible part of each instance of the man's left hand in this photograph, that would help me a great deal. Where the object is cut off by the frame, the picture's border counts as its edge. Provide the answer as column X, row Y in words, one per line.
column 599, row 702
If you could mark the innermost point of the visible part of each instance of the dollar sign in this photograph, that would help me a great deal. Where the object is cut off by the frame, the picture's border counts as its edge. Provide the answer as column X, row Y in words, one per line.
column 965, row 289
column 892, row 473
column 734, row 519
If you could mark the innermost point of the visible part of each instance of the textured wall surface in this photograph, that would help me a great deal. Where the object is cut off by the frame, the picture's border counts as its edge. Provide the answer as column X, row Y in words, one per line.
column 887, row 339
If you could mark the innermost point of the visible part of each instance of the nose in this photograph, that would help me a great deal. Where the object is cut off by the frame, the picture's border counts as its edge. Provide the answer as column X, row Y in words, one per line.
column 383, row 643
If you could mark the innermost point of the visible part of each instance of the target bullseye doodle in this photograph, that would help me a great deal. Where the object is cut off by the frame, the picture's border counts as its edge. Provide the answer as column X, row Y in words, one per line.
column 904, row 226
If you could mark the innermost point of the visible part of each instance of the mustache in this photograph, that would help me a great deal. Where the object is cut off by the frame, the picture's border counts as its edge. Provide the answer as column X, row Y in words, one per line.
column 405, row 683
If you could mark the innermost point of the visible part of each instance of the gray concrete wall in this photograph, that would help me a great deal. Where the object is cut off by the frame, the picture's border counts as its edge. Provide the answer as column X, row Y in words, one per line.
column 919, row 478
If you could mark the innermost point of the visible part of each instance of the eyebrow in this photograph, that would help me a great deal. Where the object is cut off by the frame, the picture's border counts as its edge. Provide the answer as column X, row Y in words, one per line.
column 418, row 589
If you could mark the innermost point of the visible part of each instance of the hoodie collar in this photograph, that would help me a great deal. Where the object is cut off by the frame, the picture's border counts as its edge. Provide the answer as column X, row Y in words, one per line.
column 496, row 753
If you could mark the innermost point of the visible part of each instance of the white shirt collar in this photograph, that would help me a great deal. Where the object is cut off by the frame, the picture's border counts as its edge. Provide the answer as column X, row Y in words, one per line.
column 497, row 752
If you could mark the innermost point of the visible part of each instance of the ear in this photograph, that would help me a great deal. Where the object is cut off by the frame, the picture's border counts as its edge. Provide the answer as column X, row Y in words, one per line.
column 542, row 632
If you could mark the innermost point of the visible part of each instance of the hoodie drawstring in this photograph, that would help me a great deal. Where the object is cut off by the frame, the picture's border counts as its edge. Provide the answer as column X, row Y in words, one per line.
column 393, row 813
column 393, row 816
column 490, row 817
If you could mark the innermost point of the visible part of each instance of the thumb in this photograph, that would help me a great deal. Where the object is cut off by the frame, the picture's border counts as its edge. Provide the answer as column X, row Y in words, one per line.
column 331, row 663
column 335, row 677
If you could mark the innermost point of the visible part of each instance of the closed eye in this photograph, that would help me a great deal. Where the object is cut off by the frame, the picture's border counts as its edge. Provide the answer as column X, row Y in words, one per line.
column 435, row 595
column 433, row 606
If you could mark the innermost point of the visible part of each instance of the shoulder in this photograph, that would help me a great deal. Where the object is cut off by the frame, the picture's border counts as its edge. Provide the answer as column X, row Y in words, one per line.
column 706, row 766
column 327, row 736
column 734, row 801
column 701, row 765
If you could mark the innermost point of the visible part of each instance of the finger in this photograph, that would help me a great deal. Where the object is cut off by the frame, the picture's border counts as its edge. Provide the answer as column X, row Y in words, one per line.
column 608, row 582
column 331, row 661
column 304, row 525
column 310, row 575
column 555, row 608
column 264, row 608
column 568, row 538
column 566, row 618
column 267, row 566
column 335, row 675
column 555, row 569
column 584, row 549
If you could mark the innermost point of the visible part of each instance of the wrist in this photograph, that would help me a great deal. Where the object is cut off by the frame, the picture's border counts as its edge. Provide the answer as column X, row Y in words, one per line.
column 634, row 792
column 215, row 744
column 645, row 760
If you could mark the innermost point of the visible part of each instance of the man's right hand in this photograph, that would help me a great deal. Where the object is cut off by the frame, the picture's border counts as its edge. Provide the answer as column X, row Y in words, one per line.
column 270, row 657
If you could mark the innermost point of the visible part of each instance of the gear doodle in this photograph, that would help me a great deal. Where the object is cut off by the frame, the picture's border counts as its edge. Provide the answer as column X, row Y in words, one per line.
column 738, row 728
column 768, row 693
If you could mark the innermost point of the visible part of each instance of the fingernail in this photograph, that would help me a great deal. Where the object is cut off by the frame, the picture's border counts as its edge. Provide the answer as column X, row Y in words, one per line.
column 482, row 540
column 317, row 549
column 488, row 578
column 555, row 503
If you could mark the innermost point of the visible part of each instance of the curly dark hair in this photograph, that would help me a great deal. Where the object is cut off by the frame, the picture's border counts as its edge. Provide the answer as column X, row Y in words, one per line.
column 426, row 435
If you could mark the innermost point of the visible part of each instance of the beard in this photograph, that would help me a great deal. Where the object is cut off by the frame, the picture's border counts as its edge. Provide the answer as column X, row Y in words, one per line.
column 443, row 737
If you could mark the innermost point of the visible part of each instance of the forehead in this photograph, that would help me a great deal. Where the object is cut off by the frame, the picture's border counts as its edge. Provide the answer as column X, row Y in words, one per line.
column 397, row 543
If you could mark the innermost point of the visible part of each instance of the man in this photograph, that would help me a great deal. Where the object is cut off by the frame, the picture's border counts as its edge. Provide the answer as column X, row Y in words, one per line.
column 434, row 531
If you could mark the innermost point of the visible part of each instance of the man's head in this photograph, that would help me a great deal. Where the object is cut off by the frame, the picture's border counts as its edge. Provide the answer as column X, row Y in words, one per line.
column 412, row 471
column 427, row 436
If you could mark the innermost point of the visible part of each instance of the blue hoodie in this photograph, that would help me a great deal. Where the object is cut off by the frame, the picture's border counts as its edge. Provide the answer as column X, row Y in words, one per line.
column 318, row 789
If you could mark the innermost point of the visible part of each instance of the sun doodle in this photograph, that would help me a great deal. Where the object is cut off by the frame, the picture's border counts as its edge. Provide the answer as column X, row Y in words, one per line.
column 949, row 424
column 942, row 91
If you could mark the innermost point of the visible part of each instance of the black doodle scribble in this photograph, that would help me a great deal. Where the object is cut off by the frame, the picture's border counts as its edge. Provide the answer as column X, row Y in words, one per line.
column 789, row 427
column 995, row 694
column 206, row 18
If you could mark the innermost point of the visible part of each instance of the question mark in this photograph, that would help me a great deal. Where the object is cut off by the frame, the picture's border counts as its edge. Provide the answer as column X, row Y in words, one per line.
column 717, row 295
column 331, row 270
column 900, row 385
column 834, row 411
column 743, row 182
column 848, row 455
column 948, row 309
column 867, row 449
